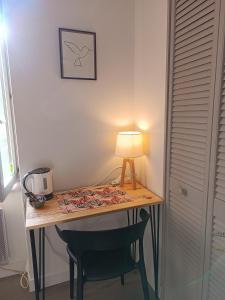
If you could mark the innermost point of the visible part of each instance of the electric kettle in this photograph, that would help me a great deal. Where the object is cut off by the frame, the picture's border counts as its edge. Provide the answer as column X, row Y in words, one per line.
column 42, row 188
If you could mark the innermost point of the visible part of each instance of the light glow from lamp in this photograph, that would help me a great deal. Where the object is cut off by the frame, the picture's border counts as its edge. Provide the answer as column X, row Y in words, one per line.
column 129, row 144
column 143, row 125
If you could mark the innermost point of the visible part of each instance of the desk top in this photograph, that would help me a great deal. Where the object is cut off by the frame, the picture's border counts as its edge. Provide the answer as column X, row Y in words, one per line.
column 51, row 214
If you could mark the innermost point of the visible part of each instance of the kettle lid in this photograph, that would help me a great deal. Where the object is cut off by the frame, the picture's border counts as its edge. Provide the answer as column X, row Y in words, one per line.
column 40, row 171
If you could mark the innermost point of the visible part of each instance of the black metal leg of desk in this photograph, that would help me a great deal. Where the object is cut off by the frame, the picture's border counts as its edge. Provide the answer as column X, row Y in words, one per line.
column 43, row 263
column 154, row 212
column 40, row 258
column 135, row 219
column 38, row 268
column 35, row 267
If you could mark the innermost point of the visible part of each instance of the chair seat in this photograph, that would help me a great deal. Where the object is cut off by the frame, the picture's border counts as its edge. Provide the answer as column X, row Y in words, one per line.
column 101, row 265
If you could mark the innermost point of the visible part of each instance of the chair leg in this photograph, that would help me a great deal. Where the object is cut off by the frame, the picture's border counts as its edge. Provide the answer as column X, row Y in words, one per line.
column 71, row 278
column 80, row 283
column 122, row 279
column 144, row 281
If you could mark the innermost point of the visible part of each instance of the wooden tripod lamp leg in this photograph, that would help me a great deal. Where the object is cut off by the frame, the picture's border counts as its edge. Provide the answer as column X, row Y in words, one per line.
column 130, row 161
column 123, row 172
column 132, row 173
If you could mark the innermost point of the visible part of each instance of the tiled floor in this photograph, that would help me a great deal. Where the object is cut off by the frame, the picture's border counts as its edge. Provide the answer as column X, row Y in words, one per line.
column 104, row 290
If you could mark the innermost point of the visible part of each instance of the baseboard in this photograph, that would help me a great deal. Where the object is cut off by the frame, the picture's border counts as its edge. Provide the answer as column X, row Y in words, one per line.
column 57, row 278
column 51, row 279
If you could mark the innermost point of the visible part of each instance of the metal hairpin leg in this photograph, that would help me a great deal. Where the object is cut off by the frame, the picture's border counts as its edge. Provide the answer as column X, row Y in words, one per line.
column 38, row 268
column 35, row 267
column 154, row 212
column 43, row 263
column 135, row 218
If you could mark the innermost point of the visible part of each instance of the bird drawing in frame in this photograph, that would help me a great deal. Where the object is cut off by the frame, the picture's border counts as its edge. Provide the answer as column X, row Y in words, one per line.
column 79, row 52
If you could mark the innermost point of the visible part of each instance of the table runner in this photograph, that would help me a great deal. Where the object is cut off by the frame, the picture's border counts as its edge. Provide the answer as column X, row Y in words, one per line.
column 90, row 197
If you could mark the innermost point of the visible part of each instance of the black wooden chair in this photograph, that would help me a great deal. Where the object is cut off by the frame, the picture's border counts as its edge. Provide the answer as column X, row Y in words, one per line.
column 101, row 255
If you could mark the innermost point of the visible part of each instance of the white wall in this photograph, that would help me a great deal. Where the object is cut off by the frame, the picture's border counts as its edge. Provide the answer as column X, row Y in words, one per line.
column 150, row 86
column 150, row 96
column 70, row 125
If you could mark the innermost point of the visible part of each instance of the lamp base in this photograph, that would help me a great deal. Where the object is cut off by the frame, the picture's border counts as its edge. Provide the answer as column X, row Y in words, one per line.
column 130, row 162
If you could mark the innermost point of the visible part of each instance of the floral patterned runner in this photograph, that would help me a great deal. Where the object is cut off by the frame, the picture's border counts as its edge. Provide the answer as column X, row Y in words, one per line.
column 90, row 197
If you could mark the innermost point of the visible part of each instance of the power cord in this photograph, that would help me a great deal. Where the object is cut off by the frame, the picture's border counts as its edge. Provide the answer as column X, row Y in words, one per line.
column 107, row 177
column 24, row 282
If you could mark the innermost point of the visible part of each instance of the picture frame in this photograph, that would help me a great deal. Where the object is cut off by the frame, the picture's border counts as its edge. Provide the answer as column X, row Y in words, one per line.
column 77, row 54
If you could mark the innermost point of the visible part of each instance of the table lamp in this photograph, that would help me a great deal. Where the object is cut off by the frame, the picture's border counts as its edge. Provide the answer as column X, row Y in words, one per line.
column 128, row 146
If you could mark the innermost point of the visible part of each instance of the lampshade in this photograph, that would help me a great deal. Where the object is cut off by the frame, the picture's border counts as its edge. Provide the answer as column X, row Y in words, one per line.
column 129, row 144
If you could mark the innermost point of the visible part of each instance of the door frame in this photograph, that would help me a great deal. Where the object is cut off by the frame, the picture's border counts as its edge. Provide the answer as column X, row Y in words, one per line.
column 214, row 146
column 170, row 60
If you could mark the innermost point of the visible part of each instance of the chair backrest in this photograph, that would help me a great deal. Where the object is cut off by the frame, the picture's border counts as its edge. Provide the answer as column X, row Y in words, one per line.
column 81, row 241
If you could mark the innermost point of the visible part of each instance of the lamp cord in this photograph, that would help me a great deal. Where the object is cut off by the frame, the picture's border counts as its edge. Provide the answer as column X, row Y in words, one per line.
column 24, row 282
column 107, row 177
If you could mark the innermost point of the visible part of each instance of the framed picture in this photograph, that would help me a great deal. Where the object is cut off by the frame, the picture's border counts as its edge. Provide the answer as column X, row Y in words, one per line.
column 77, row 54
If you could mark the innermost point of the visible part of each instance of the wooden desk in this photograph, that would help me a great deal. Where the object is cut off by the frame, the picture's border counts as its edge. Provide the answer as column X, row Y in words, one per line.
column 51, row 214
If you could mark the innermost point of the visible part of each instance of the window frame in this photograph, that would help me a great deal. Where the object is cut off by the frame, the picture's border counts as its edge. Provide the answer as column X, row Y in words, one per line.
column 6, row 87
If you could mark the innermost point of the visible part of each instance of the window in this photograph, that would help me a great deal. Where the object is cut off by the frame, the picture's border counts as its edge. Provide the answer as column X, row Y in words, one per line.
column 8, row 167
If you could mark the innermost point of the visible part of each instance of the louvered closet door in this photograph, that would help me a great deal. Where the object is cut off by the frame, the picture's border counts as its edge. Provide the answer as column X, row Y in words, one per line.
column 215, row 248
column 193, row 45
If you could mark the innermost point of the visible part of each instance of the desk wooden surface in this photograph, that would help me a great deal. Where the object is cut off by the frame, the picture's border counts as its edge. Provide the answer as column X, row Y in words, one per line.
column 51, row 214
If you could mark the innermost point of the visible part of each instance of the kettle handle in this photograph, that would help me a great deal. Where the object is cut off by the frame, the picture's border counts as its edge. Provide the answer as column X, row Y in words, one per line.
column 24, row 181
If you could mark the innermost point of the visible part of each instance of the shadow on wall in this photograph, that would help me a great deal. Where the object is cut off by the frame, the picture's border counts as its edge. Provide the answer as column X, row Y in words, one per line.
column 79, row 155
